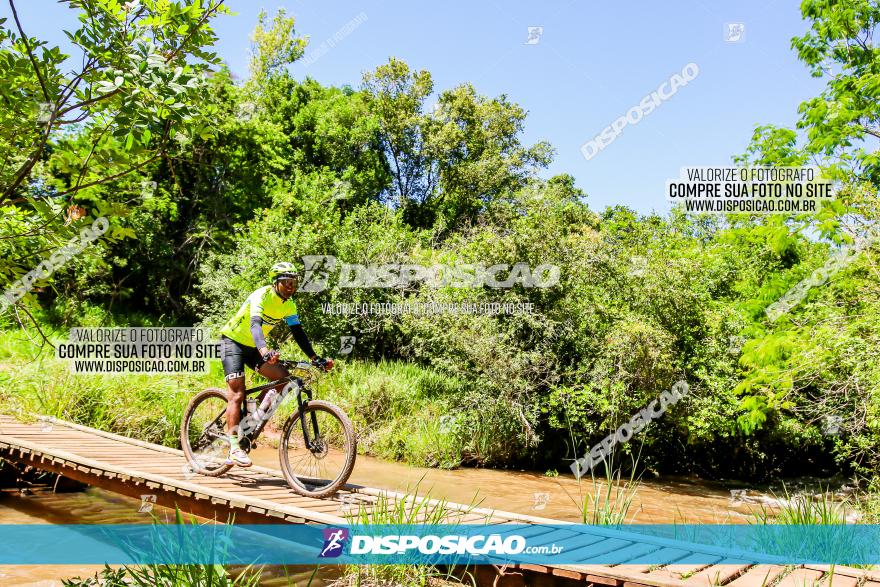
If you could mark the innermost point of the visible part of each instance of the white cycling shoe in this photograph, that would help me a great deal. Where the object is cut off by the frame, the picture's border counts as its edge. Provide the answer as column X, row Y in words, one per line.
column 237, row 456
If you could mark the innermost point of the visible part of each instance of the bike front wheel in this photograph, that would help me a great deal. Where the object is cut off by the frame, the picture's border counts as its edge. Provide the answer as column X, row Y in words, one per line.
column 318, row 462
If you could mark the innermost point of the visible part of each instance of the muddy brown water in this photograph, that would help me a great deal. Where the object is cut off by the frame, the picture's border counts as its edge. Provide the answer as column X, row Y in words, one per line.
column 665, row 500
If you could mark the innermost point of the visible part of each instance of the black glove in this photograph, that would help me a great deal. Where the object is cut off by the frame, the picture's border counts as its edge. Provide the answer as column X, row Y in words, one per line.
column 269, row 355
column 322, row 363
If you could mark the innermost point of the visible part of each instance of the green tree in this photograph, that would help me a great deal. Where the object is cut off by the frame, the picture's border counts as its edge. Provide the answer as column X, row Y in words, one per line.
column 142, row 66
column 66, row 136
column 274, row 46
column 448, row 164
column 818, row 360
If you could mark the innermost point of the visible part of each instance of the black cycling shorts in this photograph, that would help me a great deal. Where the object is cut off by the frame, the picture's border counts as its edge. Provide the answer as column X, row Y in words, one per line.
column 235, row 356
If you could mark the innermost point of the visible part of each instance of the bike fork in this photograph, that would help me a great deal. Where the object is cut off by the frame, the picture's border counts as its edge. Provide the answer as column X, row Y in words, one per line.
column 309, row 442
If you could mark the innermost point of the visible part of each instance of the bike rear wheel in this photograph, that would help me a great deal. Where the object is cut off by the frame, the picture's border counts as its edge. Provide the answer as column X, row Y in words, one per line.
column 321, row 469
column 203, row 433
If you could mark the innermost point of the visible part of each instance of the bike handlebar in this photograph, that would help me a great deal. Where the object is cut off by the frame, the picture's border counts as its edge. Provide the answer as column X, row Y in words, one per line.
column 295, row 364
column 304, row 365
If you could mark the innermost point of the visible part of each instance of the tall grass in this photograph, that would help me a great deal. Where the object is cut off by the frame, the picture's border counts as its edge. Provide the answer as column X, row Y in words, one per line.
column 402, row 512
column 867, row 504
column 612, row 496
column 803, row 510
column 173, row 575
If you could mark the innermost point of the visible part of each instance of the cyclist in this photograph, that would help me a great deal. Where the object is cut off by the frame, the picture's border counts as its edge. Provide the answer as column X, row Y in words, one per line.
column 243, row 342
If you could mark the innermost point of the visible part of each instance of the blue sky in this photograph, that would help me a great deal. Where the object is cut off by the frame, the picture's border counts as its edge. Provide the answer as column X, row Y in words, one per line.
column 593, row 62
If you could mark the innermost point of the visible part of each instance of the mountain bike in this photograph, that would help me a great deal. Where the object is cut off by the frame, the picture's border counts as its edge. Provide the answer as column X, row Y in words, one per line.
column 317, row 448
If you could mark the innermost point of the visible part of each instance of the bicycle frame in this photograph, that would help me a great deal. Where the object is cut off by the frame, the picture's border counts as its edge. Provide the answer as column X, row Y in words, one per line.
column 303, row 396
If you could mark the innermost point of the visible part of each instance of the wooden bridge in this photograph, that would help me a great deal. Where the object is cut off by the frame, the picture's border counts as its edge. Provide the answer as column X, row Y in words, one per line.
column 260, row 495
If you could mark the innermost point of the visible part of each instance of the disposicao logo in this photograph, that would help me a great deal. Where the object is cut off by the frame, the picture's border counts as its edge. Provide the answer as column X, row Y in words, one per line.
column 474, row 545
column 334, row 542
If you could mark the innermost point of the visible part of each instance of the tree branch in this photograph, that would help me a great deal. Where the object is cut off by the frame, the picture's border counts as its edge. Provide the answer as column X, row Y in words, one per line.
column 111, row 177
column 871, row 131
column 199, row 24
column 29, row 52
column 36, row 230
column 85, row 165
column 26, row 168
column 89, row 101
column 36, row 325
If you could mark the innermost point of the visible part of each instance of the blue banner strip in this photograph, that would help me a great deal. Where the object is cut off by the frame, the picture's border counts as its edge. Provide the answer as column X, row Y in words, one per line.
column 437, row 544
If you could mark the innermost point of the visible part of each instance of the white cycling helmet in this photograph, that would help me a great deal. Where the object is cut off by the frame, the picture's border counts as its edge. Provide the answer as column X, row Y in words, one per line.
column 282, row 270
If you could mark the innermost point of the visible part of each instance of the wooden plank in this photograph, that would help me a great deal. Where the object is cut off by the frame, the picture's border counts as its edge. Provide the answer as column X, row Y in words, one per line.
column 801, row 578
column 758, row 576
column 237, row 476
column 119, row 460
column 142, row 465
column 147, row 467
column 567, row 574
column 60, row 434
column 287, row 497
column 838, row 580
column 649, row 562
column 121, row 457
column 600, row 548
column 259, row 493
column 629, row 553
column 114, row 437
column 688, row 565
column 456, row 517
column 665, row 556
column 122, row 452
column 172, row 451
column 533, row 568
column 606, row 575
column 326, row 508
column 243, row 482
column 604, row 580
column 127, row 458
column 639, row 581
column 719, row 574
column 873, row 576
column 38, row 431
column 43, row 440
